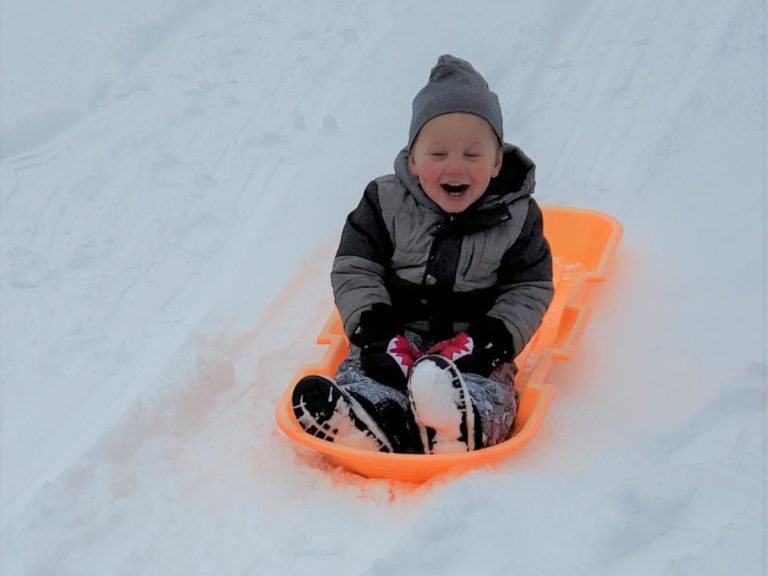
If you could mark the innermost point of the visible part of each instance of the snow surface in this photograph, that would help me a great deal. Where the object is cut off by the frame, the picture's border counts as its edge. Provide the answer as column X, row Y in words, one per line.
column 174, row 177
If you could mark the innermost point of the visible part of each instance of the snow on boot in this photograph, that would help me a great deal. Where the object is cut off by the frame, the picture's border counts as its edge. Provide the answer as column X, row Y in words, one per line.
column 326, row 411
column 441, row 406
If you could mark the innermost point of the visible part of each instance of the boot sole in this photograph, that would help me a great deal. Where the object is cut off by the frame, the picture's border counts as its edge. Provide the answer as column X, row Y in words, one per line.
column 317, row 400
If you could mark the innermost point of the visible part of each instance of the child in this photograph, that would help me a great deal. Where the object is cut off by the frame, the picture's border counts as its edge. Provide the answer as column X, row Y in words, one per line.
column 442, row 276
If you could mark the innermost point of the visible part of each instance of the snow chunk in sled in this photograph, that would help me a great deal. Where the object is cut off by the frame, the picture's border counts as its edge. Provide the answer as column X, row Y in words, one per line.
column 583, row 244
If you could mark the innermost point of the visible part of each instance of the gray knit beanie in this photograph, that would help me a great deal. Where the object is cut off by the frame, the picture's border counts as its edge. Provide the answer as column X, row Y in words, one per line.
column 455, row 86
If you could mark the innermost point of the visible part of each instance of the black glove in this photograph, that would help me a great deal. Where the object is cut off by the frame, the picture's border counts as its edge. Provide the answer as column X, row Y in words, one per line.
column 492, row 345
column 385, row 354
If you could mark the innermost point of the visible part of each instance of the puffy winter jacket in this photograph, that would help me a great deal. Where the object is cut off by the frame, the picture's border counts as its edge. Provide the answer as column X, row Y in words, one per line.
column 441, row 272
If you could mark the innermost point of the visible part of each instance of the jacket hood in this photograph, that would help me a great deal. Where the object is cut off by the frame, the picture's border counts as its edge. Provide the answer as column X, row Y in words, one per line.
column 516, row 180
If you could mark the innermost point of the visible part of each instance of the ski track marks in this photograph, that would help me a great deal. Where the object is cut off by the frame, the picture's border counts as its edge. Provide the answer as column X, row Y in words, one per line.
column 188, row 175
column 602, row 85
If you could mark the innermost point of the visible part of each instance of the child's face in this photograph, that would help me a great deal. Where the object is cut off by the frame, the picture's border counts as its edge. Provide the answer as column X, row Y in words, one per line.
column 454, row 158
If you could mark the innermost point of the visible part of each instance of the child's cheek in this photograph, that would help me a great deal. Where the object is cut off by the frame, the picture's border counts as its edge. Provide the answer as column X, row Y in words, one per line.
column 431, row 172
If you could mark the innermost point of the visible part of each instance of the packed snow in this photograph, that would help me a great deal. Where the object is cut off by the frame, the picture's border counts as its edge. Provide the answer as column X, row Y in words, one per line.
column 174, row 178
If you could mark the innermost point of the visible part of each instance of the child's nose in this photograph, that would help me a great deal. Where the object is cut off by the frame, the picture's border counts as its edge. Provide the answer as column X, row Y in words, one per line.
column 455, row 166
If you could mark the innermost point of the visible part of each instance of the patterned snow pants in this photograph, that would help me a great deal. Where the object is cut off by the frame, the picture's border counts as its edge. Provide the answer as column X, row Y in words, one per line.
column 495, row 399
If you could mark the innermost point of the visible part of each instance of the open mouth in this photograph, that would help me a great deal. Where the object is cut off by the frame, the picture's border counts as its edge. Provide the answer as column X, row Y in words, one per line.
column 455, row 189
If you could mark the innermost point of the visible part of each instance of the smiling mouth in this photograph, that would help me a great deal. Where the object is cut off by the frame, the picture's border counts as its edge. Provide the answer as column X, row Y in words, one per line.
column 455, row 189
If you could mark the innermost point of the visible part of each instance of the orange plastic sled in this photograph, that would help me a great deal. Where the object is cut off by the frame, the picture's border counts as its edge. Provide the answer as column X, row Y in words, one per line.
column 583, row 243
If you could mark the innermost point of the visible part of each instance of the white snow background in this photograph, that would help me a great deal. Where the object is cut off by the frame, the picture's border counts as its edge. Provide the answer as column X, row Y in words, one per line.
column 174, row 178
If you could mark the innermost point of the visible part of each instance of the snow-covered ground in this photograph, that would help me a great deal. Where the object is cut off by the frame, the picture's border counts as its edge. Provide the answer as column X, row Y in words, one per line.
column 174, row 177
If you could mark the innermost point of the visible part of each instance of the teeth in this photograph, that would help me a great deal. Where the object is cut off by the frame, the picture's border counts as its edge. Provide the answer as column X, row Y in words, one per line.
column 455, row 189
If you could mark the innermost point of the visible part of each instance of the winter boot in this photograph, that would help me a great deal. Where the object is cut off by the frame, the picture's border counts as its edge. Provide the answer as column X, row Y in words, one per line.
column 442, row 406
column 326, row 411
column 392, row 414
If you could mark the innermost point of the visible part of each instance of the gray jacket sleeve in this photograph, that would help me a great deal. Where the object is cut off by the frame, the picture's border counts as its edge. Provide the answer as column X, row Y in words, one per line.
column 362, row 261
column 525, row 281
